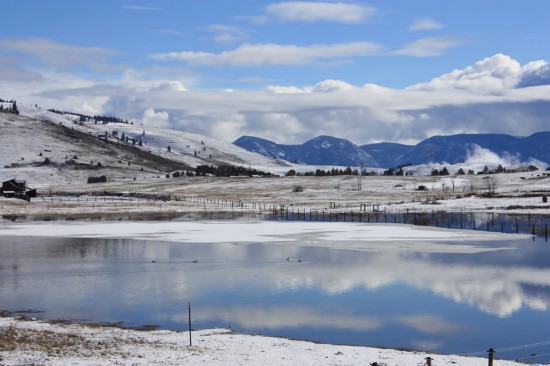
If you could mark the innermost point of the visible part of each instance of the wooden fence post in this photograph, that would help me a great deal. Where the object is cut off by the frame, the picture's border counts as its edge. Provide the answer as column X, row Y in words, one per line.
column 491, row 356
column 190, row 324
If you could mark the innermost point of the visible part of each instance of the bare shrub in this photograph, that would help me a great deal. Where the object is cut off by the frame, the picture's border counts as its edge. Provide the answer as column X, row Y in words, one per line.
column 297, row 189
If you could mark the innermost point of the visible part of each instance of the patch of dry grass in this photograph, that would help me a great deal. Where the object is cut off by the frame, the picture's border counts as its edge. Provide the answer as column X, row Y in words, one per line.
column 12, row 338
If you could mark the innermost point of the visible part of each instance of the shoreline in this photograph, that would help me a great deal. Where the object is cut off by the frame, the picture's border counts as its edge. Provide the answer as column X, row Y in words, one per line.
column 60, row 343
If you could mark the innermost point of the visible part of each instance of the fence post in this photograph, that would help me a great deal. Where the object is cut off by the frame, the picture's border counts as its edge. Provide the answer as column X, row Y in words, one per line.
column 190, row 344
column 491, row 356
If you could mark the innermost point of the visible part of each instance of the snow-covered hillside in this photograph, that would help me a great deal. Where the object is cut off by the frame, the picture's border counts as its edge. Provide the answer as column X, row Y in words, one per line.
column 48, row 148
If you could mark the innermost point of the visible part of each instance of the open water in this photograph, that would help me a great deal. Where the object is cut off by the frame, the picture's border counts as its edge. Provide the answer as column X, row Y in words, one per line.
column 443, row 302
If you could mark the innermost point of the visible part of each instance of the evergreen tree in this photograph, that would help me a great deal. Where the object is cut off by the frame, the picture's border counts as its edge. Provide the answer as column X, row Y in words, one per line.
column 14, row 109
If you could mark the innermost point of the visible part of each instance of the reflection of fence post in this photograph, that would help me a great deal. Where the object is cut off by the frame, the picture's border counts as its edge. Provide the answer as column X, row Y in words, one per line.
column 491, row 356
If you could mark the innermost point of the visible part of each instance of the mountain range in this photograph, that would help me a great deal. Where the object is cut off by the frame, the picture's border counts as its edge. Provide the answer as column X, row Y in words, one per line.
column 453, row 149
column 45, row 147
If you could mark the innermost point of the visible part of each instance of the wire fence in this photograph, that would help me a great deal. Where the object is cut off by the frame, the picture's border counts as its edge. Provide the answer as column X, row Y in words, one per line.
column 192, row 207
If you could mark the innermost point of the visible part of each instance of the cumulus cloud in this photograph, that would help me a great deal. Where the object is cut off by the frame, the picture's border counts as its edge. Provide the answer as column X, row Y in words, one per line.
column 301, row 11
column 294, row 113
column 328, row 86
column 156, row 119
column 429, row 46
column 534, row 73
column 493, row 74
column 496, row 94
column 273, row 54
column 422, row 24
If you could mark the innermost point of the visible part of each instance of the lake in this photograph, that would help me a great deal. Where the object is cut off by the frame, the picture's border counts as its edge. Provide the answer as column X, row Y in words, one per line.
column 390, row 295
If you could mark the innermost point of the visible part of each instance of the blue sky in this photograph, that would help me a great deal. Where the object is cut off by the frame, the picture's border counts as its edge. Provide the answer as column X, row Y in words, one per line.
column 287, row 71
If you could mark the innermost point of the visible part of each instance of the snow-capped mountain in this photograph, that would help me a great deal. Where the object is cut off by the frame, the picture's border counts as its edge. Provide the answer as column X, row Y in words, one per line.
column 458, row 148
column 326, row 150
column 321, row 150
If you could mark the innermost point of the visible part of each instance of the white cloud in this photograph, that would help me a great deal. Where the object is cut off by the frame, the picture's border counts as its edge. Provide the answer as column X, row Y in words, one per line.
column 168, row 85
column 284, row 89
column 302, row 11
column 429, row 46
column 535, row 73
column 228, row 34
column 156, row 119
column 479, row 155
column 273, row 54
column 139, row 8
column 422, row 24
column 59, row 55
column 328, row 86
column 496, row 94
column 492, row 75
column 325, row 86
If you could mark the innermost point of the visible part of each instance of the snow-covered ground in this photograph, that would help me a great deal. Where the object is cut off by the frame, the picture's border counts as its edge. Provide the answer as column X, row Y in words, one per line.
column 36, row 342
column 513, row 193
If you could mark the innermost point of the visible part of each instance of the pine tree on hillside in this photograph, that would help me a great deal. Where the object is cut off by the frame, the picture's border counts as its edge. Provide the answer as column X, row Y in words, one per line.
column 14, row 109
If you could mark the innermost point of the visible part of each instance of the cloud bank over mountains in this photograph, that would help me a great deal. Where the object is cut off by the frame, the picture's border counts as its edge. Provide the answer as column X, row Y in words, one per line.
column 496, row 94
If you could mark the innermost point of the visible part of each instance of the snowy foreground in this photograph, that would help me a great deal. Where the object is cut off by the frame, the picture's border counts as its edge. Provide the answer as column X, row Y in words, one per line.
column 36, row 342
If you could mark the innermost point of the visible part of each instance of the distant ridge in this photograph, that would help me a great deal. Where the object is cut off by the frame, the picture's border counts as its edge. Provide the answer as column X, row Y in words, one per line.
column 452, row 149
column 321, row 150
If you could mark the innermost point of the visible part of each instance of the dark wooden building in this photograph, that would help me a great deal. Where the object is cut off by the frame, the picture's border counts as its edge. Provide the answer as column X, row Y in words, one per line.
column 17, row 188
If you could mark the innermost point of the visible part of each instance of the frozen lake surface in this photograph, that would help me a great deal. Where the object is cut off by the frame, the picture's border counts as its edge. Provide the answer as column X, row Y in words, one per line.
column 398, row 286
